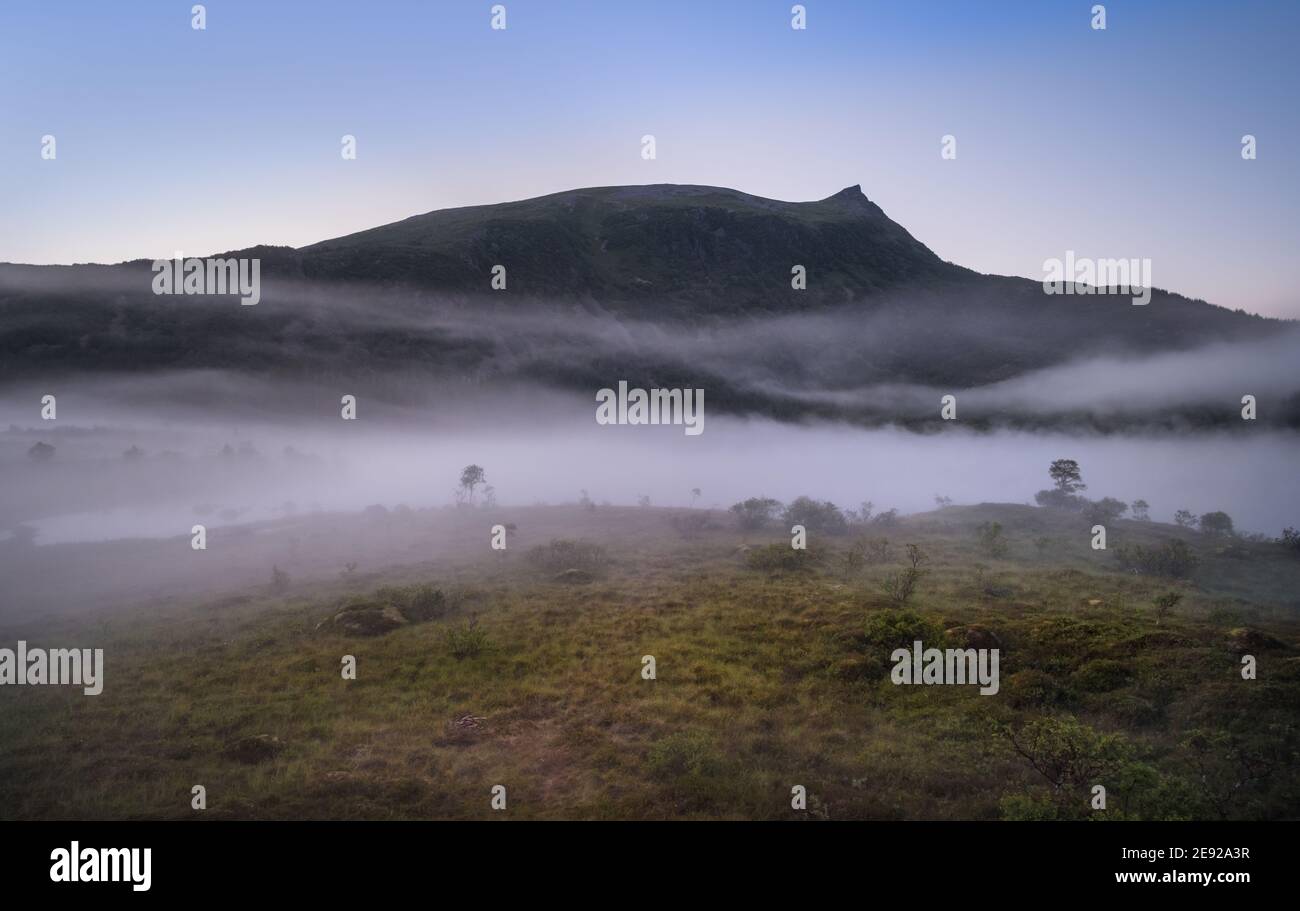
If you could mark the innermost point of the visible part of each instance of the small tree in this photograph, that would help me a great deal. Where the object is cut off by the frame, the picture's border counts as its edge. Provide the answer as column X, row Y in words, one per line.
column 1141, row 510
column 1290, row 540
column 470, row 478
column 279, row 580
column 1166, row 603
column 900, row 586
column 1185, row 518
column 695, row 495
column 1070, row 756
column 1217, row 524
column 41, row 452
column 855, row 557
column 1065, row 473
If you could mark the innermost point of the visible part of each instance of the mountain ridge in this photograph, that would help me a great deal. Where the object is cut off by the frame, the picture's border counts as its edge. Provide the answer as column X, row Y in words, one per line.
column 601, row 281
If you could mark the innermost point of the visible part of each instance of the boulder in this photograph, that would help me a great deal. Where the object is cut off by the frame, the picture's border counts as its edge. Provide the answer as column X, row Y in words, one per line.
column 368, row 619
column 973, row 636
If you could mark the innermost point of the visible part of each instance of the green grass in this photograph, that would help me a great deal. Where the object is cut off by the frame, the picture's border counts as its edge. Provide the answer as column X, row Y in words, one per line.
column 769, row 674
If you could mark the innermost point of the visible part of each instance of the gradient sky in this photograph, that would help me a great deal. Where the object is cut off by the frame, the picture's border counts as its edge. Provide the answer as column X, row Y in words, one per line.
column 1122, row 143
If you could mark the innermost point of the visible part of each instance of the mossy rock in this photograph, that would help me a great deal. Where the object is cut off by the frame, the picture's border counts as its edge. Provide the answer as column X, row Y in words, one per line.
column 368, row 619
column 973, row 636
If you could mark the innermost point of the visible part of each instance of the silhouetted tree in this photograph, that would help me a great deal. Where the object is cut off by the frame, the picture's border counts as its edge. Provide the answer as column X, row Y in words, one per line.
column 1066, row 474
column 1216, row 523
column 470, row 478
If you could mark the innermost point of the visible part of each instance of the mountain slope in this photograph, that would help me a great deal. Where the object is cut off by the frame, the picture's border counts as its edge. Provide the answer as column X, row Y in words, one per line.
column 687, row 249
column 664, row 284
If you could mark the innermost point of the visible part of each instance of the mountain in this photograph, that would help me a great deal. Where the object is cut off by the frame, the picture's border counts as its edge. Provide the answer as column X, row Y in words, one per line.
column 665, row 284
column 689, row 250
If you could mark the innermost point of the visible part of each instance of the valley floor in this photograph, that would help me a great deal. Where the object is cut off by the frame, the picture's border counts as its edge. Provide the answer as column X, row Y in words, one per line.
column 523, row 668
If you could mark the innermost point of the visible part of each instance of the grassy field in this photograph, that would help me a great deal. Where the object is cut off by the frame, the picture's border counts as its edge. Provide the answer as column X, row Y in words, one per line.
column 772, row 670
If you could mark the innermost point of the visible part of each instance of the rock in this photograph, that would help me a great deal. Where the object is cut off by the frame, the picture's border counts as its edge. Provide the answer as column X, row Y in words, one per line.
column 973, row 636
column 368, row 619
column 255, row 749
column 1244, row 639
column 574, row 577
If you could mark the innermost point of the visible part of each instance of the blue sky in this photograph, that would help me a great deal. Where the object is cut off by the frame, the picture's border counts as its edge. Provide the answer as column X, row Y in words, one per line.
column 1117, row 143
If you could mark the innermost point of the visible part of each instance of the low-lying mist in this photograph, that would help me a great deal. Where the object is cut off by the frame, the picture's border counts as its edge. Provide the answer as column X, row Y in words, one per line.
column 131, row 461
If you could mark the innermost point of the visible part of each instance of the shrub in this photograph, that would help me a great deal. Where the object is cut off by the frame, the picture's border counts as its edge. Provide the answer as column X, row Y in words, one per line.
column 690, row 755
column 1290, row 540
column 900, row 586
column 782, row 558
column 40, row 452
column 990, row 538
column 813, row 515
column 1034, row 688
column 877, row 550
column 1070, row 756
column 1173, row 559
column 565, row 553
column 1059, row 499
column 854, row 557
column 1100, row 676
column 886, row 519
column 466, row 640
column 420, row 603
column 755, row 512
column 1105, row 510
column 1217, row 524
column 888, row 629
